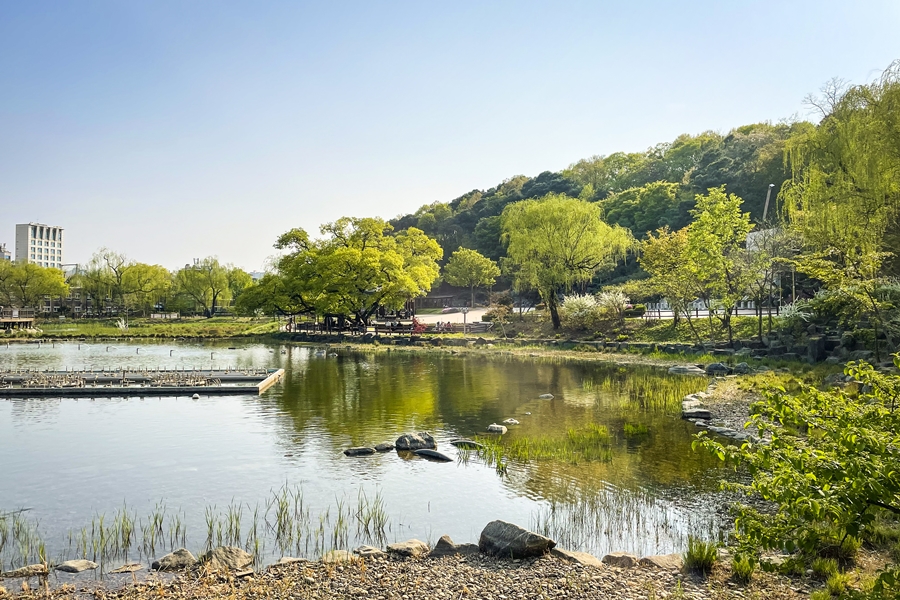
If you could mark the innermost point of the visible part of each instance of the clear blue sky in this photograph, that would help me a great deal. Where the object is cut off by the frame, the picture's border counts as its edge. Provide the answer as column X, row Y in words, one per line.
column 174, row 130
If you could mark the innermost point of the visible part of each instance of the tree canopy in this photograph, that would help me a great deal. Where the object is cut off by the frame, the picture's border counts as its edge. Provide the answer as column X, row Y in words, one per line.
column 468, row 268
column 555, row 242
column 355, row 268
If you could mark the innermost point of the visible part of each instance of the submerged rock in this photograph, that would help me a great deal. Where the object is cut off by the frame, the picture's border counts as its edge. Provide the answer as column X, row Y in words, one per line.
column 384, row 447
column 76, row 566
column 433, row 454
column 227, row 558
column 471, row 444
column 28, row 571
column 175, row 561
column 359, row 451
column 507, row 540
column 510, row 422
column 128, row 568
column 494, row 428
column 686, row 370
column 415, row 441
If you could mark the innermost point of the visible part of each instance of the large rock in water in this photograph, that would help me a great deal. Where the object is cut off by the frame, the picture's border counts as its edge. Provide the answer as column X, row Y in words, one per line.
column 415, row 441
column 175, row 561
column 506, row 540
column 227, row 558
column 76, row 566
column 359, row 451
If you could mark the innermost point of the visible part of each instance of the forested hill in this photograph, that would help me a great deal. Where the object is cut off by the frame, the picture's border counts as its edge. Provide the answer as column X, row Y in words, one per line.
column 641, row 190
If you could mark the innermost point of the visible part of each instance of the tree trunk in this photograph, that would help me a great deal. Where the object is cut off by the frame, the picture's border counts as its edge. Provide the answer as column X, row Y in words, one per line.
column 554, row 310
column 472, row 291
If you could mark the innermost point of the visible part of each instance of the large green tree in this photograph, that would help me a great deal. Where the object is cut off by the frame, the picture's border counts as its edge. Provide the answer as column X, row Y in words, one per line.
column 143, row 286
column 26, row 284
column 468, row 268
column 557, row 241
column 716, row 249
column 356, row 267
column 206, row 283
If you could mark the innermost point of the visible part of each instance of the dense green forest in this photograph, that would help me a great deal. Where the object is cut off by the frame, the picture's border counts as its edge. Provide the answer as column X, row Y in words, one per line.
column 641, row 191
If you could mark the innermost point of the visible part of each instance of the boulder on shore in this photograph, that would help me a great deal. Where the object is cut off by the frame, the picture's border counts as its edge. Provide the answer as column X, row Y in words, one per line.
column 581, row 558
column 670, row 562
column 410, row 548
column 76, row 566
column 696, row 413
column 444, row 547
column 506, row 540
column 175, row 561
column 620, row 559
column 415, row 441
column 368, row 551
column 227, row 558
column 718, row 368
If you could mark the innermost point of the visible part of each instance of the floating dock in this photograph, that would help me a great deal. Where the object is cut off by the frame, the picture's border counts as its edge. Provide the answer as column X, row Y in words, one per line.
column 131, row 383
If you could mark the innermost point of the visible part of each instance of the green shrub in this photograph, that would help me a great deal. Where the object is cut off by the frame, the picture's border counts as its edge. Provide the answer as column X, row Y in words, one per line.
column 824, row 567
column 700, row 555
column 820, row 595
column 742, row 567
column 837, row 583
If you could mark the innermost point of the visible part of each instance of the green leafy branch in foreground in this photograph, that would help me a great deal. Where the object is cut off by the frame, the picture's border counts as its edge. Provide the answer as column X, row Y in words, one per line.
column 830, row 465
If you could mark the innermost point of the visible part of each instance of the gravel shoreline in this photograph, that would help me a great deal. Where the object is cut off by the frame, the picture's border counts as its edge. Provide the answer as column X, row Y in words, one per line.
column 452, row 577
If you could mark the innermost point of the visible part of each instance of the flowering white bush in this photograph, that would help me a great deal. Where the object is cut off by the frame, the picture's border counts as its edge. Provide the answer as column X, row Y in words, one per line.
column 612, row 302
column 579, row 311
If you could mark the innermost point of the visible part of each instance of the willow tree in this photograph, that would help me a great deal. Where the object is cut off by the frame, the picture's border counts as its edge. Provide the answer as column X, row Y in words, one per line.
column 556, row 242
column 844, row 194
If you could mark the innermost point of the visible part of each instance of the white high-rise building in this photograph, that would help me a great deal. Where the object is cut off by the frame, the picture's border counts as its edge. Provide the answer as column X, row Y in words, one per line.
column 39, row 244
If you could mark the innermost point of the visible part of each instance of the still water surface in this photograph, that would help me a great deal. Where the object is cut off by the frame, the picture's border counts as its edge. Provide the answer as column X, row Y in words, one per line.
column 68, row 461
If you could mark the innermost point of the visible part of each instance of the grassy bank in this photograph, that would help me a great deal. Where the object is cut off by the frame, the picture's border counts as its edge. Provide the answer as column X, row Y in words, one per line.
column 216, row 327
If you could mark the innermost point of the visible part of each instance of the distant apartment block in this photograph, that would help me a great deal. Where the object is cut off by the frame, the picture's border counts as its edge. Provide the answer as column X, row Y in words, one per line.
column 39, row 244
column 4, row 253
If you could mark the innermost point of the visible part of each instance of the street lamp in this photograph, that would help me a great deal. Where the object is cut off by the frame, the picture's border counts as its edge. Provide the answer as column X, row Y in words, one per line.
column 768, row 195
column 464, row 310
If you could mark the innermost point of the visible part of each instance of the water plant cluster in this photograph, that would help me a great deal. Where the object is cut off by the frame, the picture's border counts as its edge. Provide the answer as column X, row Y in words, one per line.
column 284, row 524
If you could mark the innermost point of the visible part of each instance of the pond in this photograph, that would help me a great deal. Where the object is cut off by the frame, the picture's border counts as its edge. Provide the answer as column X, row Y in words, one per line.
column 117, row 478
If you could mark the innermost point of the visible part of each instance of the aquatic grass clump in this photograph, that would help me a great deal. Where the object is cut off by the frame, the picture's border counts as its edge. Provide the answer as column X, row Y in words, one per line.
column 589, row 443
column 635, row 430
column 700, row 556
column 20, row 541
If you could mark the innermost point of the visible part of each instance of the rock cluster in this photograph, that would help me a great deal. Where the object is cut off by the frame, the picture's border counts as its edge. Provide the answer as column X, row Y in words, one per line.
column 693, row 409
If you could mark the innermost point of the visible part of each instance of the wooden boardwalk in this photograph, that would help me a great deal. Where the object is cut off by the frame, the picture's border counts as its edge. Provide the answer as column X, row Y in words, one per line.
column 125, row 383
